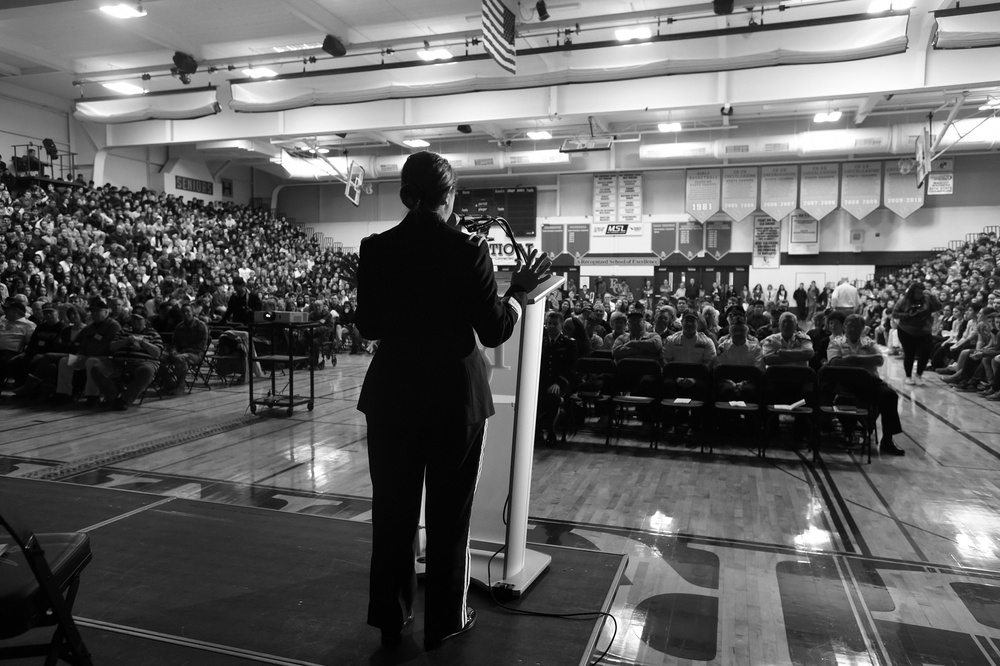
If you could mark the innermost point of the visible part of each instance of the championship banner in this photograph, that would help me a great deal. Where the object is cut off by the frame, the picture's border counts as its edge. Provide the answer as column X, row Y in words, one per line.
column 718, row 238
column 578, row 240
column 861, row 188
column 605, row 198
column 664, row 239
column 739, row 192
column 690, row 239
column 629, row 197
column 819, row 186
column 902, row 196
column 703, row 193
column 553, row 239
column 766, row 242
column 803, row 234
column 779, row 186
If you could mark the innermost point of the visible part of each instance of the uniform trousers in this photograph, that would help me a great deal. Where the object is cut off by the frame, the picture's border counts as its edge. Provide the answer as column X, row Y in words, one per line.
column 400, row 451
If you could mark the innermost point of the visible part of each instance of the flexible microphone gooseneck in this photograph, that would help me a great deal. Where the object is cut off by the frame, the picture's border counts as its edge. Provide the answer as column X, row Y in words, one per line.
column 480, row 224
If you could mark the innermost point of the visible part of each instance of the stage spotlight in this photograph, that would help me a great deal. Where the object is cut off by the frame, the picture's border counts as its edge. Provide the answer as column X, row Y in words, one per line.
column 334, row 46
column 543, row 13
column 185, row 63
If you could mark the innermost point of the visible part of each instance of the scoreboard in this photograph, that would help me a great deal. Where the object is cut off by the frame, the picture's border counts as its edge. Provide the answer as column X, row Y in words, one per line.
column 517, row 205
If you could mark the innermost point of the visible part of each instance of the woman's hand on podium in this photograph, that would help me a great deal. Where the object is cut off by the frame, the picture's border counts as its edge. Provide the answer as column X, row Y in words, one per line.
column 536, row 271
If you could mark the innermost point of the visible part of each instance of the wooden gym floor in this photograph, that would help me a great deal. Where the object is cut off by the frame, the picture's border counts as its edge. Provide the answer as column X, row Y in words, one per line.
column 732, row 559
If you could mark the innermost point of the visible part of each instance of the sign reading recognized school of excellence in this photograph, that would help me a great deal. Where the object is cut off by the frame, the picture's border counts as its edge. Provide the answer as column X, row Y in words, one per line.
column 779, row 186
column 820, row 184
column 803, row 233
column 861, row 188
column 766, row 242
column 739, row 192
column 902, row 196
column 703, row 193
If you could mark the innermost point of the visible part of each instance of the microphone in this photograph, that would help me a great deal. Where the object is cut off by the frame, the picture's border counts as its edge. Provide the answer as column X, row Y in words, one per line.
column 480, row 224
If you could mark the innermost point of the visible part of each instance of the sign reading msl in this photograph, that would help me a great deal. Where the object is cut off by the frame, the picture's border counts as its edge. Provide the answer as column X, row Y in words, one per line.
column 618, row 229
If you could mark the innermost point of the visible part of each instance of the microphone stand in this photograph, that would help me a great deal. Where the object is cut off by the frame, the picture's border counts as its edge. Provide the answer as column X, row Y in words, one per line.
column 480, row 224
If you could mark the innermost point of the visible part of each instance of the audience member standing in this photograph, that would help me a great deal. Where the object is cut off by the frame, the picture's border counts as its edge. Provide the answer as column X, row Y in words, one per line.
column 845, row 298
column 915, row 311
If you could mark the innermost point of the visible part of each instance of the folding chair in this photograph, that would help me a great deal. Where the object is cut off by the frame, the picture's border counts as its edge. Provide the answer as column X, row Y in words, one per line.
column 591, row 374
column 750, row 409
column 695, row 400
column 199, row 372
column 630, row 373
column 849, row 394
column 787, row 384
column 36, row 571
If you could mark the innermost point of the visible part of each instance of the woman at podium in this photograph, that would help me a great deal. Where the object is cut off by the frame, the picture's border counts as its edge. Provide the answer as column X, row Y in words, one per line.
column 426, row 396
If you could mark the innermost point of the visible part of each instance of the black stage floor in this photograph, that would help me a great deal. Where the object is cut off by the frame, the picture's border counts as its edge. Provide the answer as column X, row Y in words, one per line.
column 177, row 581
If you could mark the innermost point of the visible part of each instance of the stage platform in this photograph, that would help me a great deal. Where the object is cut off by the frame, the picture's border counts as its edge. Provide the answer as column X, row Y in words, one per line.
column 180, row 581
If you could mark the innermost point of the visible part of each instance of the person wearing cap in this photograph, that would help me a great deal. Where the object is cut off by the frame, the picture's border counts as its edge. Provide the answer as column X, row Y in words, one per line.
column 92, row 344
column 242, row 304
column 15, row 332
column 739, row 347
column 426, row 397
column 637, row 342
column 47, row 337
column 135, row 357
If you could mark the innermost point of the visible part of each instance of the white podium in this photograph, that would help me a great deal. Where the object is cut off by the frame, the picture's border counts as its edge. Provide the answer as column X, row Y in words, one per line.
column 505, row 482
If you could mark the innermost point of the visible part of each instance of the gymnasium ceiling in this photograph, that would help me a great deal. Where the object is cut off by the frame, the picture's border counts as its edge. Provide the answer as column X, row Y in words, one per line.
column 574, row 79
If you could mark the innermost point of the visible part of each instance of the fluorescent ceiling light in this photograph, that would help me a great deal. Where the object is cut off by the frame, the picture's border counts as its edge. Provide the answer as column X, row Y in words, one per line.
column 124, row 88
column 626, row 34
column 123, row 11
column 259, row 72
column 879, row 6
column 296, row 47
column 824, row 117
column 669, row 127
column 428, row 55
column 322, row 151
column 539, row 135
column 416, row 143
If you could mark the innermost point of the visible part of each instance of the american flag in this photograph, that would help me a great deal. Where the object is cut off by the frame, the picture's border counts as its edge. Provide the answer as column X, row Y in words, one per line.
column 498, row 34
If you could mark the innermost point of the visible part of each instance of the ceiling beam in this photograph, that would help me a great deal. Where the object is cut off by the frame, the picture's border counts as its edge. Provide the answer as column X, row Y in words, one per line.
column 866, row 107
column 320, row 18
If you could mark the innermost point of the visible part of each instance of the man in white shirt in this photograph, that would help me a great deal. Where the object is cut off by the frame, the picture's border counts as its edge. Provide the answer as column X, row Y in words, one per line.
column 853, row 348
column 845, row 298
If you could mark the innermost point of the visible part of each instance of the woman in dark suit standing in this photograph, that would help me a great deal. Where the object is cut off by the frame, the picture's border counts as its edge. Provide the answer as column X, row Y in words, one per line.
column 426, row 397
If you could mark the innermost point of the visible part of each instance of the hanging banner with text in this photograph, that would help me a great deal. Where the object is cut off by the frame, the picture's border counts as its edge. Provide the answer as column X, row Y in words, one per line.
column 718, row 238
column 629, row 197
column 766, row 242
column 703, row 193
column 664, row 239
column 819, row 187
column 739, row 192
column 578, row 240
column 902, row 196
column 779, row 186
column 803, row 233
column 605, row 198
column 690, row 239
column 861, row 188
column 553, row 239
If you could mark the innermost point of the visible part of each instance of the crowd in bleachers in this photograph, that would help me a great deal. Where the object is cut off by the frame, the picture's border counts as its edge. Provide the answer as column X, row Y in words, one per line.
column 69, row 250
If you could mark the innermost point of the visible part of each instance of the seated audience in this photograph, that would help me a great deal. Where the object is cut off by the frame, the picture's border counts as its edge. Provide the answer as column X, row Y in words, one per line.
column 557, row 372
column 135, row 356
column 187, row 347
column 853, row 348
column 15, row 332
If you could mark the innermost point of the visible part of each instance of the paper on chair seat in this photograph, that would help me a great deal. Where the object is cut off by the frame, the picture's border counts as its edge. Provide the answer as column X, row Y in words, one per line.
column 681, row 401
column 737, row 403
column 792, row 406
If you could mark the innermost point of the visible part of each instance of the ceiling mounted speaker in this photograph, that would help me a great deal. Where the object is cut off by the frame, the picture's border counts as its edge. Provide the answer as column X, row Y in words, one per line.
column 543, row 13
column 722, row 7
column 465, row 129
column 185, row 63
column 50, row 149
column 334, row 46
